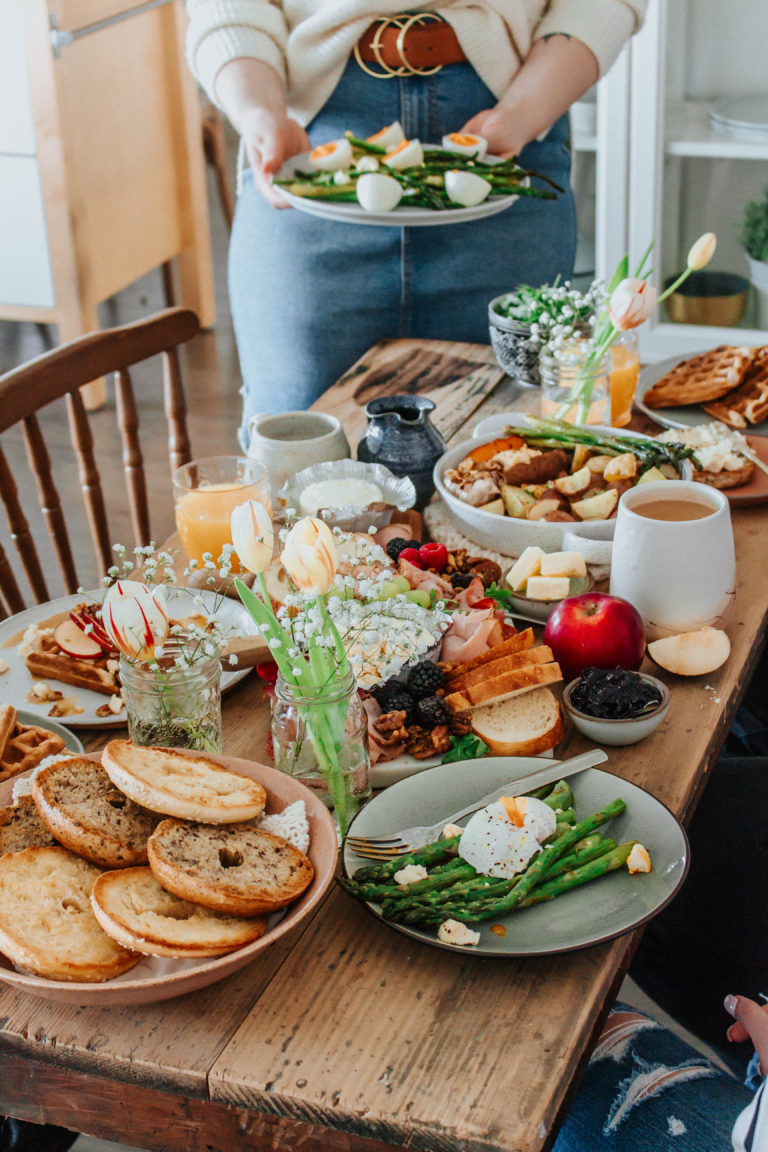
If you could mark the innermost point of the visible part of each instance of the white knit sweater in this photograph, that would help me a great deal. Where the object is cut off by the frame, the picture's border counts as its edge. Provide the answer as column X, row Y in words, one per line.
column 309, row 41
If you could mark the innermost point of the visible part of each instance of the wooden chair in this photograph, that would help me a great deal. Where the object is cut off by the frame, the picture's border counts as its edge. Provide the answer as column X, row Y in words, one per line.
column 63, row 372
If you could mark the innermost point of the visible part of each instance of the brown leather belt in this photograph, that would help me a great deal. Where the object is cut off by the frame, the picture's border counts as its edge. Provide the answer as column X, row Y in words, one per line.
column 414, row 44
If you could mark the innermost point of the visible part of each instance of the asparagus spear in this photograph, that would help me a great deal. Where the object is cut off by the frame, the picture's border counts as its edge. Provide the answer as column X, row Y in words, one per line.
column 608, row 862
column 429, row 854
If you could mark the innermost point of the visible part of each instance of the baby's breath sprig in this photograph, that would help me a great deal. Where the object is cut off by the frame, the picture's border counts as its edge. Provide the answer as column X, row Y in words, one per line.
column 553, row 311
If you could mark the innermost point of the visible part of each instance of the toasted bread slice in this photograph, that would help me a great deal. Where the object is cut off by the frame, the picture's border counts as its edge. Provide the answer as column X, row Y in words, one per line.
column 518, row 643
column 46, row 922
column 513, row 683
column 237, row 869
column 188, row 787
column 522, row 725
column 539, row 655
column 134, row 909
column 21, row 827
column 727, row 477
column 46, row 660
column 86, row 813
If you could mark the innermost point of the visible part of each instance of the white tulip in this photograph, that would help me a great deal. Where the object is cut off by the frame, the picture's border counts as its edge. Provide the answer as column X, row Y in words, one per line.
column 135, row 618
column 252, row 535
column 702, row 251
column 309, row 556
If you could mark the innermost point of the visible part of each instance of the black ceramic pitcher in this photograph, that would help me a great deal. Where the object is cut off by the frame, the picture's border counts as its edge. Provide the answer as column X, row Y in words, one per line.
column 400, row 436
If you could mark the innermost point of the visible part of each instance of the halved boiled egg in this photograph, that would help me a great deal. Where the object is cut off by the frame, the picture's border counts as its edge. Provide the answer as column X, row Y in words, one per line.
column 466, row 144
column 405, row 155
column 497, row 844
column 466, row 188
column 331, row 156
column 367, row 164
column 388, row 137
column 378, row 192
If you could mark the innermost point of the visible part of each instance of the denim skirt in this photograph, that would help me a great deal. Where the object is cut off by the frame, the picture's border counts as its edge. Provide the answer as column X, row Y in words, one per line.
column 310, row 296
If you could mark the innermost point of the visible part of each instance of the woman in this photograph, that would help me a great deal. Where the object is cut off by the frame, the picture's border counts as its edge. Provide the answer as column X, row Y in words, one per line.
column 309, row 296
column 645, row 1090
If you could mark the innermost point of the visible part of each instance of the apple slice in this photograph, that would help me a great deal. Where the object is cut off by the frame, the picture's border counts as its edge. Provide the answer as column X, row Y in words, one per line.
column 691, row 653
column 73, row 641
column 84, row 619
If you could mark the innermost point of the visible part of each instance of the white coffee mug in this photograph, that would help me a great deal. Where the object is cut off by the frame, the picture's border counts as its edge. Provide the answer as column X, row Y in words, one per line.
column 680, row 574
column 286, row 442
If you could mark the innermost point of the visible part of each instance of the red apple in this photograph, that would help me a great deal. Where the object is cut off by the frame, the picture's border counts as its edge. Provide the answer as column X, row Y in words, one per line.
column 595, row 631
column 73, row 641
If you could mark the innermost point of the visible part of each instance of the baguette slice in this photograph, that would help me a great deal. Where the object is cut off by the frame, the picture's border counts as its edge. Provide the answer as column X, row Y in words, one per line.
column 187, row 787
column 21, row 827
column 539, row 655
column 46, row 922
column 513, row 683
column 523, row 725
column 237, row 869
column 86, row 813
column 133, row 908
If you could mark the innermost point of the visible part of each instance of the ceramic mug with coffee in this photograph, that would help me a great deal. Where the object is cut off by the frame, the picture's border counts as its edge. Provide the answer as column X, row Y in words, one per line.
column 286, row 442
column 673, row 556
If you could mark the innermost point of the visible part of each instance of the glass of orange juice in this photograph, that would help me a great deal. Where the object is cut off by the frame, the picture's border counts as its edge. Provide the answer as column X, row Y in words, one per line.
column 625, row 369
column 206, row 492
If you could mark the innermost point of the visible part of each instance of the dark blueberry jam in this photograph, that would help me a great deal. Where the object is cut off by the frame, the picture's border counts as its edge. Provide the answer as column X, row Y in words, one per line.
column 614, row 694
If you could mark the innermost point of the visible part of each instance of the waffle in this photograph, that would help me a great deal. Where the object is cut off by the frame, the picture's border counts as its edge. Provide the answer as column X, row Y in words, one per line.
column 747, row 404
column 46, row 660
column 701, row 379
column 23, row 746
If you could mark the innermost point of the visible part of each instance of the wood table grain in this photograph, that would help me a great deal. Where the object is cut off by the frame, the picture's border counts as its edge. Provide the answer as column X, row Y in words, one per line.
column 349, row 1037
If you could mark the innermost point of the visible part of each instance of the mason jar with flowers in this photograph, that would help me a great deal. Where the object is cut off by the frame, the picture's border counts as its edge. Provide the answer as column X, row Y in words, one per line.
column 319, row 730
column 576, row 380
column 170, row 674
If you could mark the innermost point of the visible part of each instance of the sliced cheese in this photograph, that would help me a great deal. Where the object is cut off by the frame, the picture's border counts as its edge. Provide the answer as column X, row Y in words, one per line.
column 563, row 564
column 528, row 564
column 547, row 587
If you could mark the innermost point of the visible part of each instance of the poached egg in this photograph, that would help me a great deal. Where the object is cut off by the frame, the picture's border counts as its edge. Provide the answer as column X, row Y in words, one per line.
column 503, row 837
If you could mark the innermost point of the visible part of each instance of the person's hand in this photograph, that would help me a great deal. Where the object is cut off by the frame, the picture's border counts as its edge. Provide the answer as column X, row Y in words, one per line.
column 751, row 1024
column 501, row 128
column 270, row 139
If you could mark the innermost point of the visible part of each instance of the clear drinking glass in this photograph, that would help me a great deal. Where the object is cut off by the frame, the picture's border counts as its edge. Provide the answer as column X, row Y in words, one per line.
column 205, row 494
column 320, row 736
column 565, row 377
column 178, row 703
column 625, row 369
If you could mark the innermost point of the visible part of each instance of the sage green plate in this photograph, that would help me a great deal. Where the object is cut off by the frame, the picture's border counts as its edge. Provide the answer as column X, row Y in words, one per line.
column 71, row 741
column 608, row 907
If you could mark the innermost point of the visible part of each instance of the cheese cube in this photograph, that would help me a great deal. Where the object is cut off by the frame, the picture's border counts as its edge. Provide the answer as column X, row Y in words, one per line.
column 563, row 564
column 527, row 564
column 547, row 587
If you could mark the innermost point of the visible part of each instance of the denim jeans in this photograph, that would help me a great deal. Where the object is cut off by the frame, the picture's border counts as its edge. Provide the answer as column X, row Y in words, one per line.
column 310, row 296
column 646, row 1090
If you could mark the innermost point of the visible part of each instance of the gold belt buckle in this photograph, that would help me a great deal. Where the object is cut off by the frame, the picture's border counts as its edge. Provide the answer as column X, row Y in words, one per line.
column 403, row 23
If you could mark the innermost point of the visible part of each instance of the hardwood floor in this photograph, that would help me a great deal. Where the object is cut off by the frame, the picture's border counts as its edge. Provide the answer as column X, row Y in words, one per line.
column 211, row 379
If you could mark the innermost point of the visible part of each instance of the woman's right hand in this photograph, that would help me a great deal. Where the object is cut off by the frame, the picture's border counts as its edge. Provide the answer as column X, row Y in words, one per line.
column 252, row 94
column 751, row 1024
column 270, row 139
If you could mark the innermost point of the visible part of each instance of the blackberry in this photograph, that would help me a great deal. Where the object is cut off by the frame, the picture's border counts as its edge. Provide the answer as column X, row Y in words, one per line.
column 402, row 701
column 425, row 679
column 396, row 546
column 432, row 711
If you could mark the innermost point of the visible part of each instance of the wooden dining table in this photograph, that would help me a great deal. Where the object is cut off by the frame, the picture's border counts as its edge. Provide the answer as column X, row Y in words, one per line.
column 348, row 1036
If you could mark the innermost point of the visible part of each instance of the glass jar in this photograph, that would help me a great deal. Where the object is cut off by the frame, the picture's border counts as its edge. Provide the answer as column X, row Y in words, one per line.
column 625, row 370
column 572, row 389
column 320, row 736
column 177, row 702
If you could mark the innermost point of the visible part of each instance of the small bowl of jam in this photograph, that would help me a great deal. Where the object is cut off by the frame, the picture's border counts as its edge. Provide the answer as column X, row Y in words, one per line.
column 614, row 706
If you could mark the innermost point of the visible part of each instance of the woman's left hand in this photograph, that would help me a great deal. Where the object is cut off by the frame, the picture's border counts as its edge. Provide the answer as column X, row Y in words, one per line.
column 751, row 1024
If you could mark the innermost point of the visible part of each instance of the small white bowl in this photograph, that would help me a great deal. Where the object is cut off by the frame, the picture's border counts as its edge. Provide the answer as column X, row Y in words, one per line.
column 618, row 732
column 524, row 605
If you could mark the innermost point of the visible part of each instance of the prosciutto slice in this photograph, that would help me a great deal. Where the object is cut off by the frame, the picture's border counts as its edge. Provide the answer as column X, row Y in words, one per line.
column 425, row 581
column 376, row 750
column 470, row 634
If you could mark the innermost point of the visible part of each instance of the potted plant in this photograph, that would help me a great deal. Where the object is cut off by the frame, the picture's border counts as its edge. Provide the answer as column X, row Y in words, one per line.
column 523, row 321
column 754, row 237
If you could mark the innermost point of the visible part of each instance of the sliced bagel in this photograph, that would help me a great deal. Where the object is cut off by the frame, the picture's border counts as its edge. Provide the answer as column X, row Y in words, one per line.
column 234, row 868
column 21, row 827
column 46, row 922
column 86, row 813
column 187, row 787
column 134, row 908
